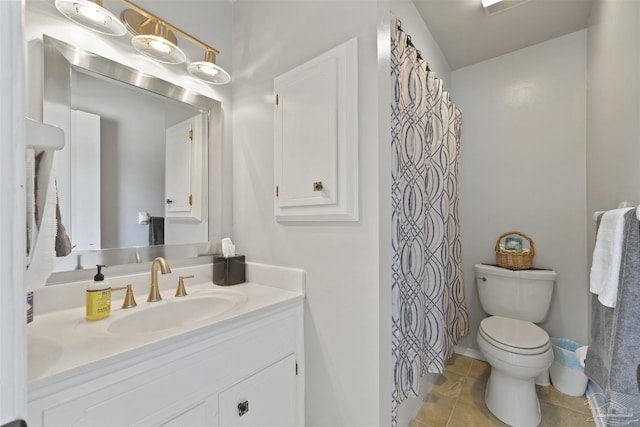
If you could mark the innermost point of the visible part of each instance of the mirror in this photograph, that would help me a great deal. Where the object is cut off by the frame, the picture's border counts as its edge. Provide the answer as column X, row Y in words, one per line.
column 125, row 160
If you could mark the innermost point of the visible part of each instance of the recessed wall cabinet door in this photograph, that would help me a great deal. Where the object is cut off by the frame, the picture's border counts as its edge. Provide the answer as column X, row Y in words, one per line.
column 316, row 138
column 183, row 170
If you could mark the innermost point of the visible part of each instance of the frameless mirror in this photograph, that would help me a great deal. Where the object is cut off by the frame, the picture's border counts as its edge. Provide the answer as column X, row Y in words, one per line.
column 133, row 176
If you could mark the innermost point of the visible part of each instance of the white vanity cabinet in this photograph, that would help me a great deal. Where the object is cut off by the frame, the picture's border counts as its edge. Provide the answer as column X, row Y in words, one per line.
column 242, row 372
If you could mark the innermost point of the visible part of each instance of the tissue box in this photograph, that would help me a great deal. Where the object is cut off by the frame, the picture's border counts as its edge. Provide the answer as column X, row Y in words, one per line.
column 228, row 271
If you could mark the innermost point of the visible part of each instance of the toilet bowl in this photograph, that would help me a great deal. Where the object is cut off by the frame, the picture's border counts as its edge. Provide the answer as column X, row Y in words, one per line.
column 517, row 351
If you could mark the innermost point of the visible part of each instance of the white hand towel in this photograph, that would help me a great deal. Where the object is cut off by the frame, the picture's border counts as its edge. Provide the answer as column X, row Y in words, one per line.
column 607, row 256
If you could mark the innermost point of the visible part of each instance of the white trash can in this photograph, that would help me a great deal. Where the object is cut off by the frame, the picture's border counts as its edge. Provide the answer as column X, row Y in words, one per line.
column 566, row 371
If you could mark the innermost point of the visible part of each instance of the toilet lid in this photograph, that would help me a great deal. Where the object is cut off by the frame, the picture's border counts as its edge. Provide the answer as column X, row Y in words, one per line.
column 516, row 336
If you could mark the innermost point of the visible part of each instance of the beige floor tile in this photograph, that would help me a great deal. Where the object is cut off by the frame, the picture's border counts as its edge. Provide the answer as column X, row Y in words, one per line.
column 436, row 410
column 469, row 413
column 553, row 416
column 473, row 389
column 480, row 369
column 551, row 395
column 448, row 384
column 458, row 364
column 417, row 423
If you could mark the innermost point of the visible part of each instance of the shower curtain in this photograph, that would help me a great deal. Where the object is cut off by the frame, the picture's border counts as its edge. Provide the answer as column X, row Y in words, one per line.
column 428, row 305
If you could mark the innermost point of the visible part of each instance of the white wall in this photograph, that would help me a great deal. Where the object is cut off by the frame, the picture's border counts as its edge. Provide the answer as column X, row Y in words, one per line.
column 341, row 260
column 523, row 168
column 613, row 131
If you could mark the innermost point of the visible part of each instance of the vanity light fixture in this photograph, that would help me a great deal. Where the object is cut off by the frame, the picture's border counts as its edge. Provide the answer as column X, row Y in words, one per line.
column 91, row 14
column 153, row 36
column 208, row 70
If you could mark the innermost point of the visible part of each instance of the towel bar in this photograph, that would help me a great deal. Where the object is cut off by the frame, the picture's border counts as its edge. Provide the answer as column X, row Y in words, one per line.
column 42, row 135
column 596, row 214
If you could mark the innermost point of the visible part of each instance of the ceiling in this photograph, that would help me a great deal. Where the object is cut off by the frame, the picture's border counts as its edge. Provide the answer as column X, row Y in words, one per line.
column 466, row 34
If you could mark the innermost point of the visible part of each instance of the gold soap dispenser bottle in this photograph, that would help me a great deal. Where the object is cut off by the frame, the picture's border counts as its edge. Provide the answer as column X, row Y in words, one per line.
column 98, row 297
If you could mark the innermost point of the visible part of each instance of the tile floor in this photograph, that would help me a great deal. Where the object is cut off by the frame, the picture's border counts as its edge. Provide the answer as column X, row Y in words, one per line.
column 457, row 400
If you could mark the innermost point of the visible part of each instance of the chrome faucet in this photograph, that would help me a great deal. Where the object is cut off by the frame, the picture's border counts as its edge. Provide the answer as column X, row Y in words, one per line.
column 154, row 292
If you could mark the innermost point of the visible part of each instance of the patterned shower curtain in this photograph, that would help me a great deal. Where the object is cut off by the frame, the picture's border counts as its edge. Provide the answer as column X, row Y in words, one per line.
column 428, row 305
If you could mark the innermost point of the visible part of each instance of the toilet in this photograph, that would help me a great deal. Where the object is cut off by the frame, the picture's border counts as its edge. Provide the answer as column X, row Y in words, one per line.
column 516, row 348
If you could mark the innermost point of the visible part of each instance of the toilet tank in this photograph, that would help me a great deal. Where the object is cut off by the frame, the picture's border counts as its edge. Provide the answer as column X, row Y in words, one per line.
column 523, row 294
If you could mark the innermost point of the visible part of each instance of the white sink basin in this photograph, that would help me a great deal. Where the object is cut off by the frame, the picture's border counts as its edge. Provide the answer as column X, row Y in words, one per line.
column 174, row 313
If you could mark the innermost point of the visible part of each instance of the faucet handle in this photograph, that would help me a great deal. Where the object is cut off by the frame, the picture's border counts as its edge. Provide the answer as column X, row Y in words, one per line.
column 129, row 301
column 181, row 291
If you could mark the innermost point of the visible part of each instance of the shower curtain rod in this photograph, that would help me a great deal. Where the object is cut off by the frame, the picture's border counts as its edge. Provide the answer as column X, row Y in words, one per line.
column 410, row 43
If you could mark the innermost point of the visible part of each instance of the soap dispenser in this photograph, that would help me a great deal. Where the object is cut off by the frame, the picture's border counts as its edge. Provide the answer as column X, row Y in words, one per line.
column 98, row 296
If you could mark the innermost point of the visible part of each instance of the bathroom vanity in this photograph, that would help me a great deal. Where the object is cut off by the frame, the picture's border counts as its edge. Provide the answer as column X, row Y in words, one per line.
column 220, row 356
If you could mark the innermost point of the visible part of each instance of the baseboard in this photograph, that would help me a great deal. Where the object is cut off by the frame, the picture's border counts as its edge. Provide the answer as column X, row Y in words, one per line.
column 469, row 352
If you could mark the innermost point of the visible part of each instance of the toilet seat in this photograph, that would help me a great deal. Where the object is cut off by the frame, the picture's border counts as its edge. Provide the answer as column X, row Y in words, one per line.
column 514, row 336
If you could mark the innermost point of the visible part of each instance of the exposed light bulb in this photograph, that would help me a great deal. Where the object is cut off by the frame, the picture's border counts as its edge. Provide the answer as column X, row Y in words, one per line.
column 92, row 16
column 209, row 72
column 93, row 13
column 208, row 69
column 160, row 46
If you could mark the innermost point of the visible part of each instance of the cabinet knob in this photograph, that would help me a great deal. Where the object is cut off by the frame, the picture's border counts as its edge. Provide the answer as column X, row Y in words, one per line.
column 169, row 201
column 243, row 408
column 317, row 186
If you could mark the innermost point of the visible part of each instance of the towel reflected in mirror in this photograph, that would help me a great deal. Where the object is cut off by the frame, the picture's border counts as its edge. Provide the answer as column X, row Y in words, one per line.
column 156, row 230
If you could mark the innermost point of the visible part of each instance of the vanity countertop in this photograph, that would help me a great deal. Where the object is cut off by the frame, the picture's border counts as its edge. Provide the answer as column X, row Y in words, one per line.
column 62, row 344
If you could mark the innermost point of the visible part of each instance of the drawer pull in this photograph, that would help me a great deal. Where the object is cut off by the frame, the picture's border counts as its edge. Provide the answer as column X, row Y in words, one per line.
column 243, row 408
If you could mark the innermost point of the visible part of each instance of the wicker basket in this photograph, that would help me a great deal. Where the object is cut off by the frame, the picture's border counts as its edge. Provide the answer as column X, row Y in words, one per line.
column 515, row 260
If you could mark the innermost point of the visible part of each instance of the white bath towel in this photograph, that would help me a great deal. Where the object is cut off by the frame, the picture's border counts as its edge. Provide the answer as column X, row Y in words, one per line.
column 43, row 251
column 607, row 256
column 32, row 227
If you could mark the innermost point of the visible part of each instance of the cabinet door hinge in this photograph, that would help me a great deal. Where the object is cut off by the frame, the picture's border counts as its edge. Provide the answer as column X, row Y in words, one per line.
column 190, row 200
column 277, row 192
column 296, row 367
column 191, row 135
column 277, row 100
